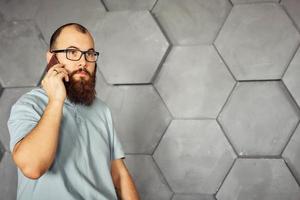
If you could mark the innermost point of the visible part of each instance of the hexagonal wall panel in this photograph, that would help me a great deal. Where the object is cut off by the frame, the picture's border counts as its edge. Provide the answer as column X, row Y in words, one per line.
column 131, row 46
column 140, row 117
column 1, row 89
column 191, row 21
column 292, row 152
column 2, row 150
column 19, row 10
column 293, row 9
column 2, row 20
column 256, row 179
column 194, row 156
column 8, row 177
column 147, row 177
column 192, row 197
column 103, row 89
column 52, row 14
column 22, row 58
column 194, row 82
column 259, row 118
column 291, row 77
column 257, row 41
column 115, row 5
column 251, row 1
column 8, row 98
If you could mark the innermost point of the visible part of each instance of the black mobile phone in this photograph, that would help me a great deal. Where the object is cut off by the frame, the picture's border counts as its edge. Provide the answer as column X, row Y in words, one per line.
column 53, row 61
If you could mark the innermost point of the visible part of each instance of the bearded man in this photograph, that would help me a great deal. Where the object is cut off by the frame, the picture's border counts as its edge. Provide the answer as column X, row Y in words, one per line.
column 62, row 137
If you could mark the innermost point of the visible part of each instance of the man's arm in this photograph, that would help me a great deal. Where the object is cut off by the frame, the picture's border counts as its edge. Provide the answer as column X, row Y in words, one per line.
column 123, row 182
column 35, row 153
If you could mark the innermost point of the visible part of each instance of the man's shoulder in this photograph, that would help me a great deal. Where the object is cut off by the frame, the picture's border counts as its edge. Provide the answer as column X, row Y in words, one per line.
column 100, row 104
column 35, row 96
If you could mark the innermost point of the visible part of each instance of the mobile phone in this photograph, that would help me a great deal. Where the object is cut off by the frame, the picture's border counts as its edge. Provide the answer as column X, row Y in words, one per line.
column 53, row 61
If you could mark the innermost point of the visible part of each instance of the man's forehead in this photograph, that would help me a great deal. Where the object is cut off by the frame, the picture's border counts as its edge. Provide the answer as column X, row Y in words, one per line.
column 70, row 36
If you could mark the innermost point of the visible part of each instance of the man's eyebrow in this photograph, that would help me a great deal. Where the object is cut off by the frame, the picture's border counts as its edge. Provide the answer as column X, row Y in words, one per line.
column 72, row 47
column 79, row 49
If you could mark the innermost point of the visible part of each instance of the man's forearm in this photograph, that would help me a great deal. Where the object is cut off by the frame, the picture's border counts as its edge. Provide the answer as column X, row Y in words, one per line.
column 126, row 189
column 35, row 153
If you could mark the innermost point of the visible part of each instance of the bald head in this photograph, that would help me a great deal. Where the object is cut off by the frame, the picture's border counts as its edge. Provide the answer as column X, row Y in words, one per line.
column 67, row 28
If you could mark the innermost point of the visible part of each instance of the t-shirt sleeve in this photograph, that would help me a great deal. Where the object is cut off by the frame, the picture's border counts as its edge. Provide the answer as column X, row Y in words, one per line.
column 23, row 118
column 116, row 150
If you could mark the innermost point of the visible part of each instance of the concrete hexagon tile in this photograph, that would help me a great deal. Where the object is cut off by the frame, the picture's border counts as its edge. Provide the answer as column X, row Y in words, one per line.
column 259, row 118
column 257, row 41
column 256, row 179
column 140, row 117
column 291, row 77
column 292, row 152
column 1, row 89
column 52, row 14
column 116, row 5
column 192, row 197
column 131, row 46
column 103, row 89
column 251, row 1
column 8, row 98
column 293, row 9
column 194, row 82
column 8, row 172
column 19, row 10
column 191, row 21
column 2, row 20
column 147, row 177
column 22, row 58
column 194, row 156
column 2, row 150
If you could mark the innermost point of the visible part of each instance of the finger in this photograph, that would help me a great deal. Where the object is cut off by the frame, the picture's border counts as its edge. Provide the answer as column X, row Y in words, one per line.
column 59, row 66
column 66, row 76
column 54, row 72
column 63, row 71
column 60, row 70
column 55, row 67
column 63, row 75
column 49, row 73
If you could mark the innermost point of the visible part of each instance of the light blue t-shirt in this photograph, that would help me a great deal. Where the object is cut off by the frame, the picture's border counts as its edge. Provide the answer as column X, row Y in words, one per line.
column 87, row 144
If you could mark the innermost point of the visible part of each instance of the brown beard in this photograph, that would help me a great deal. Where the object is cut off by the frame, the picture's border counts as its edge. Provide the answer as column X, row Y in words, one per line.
column 81, row 91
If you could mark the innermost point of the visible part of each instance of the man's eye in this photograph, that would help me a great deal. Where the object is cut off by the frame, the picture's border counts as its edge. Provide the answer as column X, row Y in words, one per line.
column 91, row 53
column 72, row 51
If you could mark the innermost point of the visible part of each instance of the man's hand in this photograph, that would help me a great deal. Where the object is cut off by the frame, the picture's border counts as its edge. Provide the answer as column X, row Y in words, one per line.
column 53, row 84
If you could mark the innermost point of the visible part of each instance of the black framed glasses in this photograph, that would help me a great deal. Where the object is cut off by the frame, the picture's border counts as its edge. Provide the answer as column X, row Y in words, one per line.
column 76, row 54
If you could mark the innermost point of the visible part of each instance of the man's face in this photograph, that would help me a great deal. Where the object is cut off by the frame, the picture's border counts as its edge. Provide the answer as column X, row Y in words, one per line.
column 82, row 74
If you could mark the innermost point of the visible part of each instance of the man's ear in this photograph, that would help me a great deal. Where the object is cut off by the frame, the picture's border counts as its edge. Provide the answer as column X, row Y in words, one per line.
column 48, row 56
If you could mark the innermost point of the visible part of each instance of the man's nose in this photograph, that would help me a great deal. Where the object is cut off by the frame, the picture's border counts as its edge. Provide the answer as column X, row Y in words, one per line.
column 82, row 61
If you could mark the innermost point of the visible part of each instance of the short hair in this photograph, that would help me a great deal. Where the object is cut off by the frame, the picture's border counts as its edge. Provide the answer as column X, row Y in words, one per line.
column 57, row 32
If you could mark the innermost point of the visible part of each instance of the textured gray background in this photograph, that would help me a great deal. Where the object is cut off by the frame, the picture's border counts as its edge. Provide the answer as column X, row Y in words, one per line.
column 205, row 94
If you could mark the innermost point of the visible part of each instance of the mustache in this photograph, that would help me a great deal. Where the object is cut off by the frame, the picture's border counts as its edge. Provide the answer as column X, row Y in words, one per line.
column 80, row 70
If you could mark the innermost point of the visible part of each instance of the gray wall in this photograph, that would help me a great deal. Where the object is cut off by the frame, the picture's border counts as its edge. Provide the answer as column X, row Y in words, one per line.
column 205, row 94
